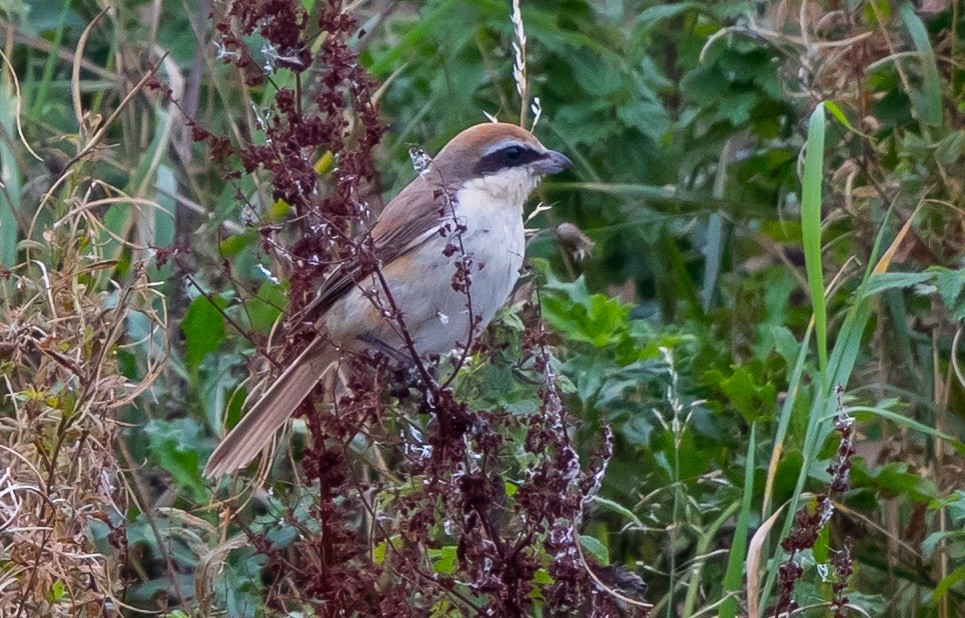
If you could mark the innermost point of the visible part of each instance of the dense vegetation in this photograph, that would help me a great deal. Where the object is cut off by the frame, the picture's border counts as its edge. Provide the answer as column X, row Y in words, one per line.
column 730, row 383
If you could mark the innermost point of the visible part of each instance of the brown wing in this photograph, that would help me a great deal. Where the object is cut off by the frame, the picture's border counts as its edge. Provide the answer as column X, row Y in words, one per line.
column 408, row 216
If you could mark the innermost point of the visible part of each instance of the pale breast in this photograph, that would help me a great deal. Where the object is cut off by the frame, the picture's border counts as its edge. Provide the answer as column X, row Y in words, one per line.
column 436, row 316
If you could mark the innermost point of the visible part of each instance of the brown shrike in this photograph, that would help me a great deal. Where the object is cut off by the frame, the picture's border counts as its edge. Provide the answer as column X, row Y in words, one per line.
column 478, row 183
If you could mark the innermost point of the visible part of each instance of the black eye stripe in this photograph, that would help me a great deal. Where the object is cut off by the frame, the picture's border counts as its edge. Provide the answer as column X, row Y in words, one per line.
column 514, row 155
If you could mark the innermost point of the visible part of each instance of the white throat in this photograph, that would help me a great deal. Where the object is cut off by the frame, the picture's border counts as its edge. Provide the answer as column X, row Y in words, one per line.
column 508, row 188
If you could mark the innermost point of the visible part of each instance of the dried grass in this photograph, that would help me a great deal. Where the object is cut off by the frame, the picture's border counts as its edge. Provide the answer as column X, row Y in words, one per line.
column 64, row 327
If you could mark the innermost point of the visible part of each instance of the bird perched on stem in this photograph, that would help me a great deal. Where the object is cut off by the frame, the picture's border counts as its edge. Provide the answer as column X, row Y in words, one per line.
column 447, row 251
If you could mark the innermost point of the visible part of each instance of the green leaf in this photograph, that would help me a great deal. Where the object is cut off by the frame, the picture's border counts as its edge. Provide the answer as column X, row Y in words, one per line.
column 594, row 319
column 542, row 577
column 946, row 584
column 949, row 148
column 822, row 545
column 56, row 592
column 595, row 548
column 894, row 479
column 841, row 117
column 381, row 548
column 444, row 560
column 175, row 446
column 955, row 504
column 619, row 509
column 204, row 330
column 950, row 285
column 930, row 544
column 653, row 15
column 907, row 422
column 880, row 282
column 236, row 243
column 265, row 308
column 753, row 396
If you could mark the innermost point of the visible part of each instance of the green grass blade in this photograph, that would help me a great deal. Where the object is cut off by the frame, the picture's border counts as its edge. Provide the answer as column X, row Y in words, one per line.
column 835, row 110
column 10, row 176
column 928, row 102
column 680, row 201
column 793, row 391
column 618, row 508
column 956, row 444
column 811, row 228
column 693, row 575
column 396, row 55
column 39, row 102
column 713, row 255
column 842, row 361
column 714, row 250
column 738, row 549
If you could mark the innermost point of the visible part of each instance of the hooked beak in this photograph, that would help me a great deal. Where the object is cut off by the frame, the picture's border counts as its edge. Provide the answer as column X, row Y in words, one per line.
column 552, row 162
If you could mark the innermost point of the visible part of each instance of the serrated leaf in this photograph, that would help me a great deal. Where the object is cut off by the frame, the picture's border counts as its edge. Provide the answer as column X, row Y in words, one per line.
column 950, row 285
column 174, row 445
column 880, row 282
column 542, row 577
column 949, row 148
column 444, row 560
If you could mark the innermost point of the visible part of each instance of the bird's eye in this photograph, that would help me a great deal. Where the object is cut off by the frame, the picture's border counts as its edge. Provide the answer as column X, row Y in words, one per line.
column 506, row 156
column 513, row 153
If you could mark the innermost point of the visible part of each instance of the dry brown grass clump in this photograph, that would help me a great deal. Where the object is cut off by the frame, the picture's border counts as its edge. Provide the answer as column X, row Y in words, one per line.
column 65, row 324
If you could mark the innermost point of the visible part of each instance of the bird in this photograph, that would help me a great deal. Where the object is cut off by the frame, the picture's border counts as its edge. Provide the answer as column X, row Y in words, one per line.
column 464, row 207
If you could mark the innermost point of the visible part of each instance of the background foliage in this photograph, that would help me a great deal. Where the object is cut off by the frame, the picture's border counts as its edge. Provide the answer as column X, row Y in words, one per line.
column 769, row 322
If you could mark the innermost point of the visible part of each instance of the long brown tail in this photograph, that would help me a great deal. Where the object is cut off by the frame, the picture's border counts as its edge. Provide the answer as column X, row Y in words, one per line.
column 270, row 412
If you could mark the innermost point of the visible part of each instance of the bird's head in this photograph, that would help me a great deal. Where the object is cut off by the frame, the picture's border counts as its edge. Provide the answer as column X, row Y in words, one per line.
column 501, row 159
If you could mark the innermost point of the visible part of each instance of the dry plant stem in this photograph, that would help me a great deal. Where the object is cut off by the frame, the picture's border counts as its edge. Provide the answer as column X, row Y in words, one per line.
column 75, row 70
column 47, row 511
column 98, row 136
column 403, row 331
column 18, row 105
column 10, row 34
column 390, row 547
column 93, row 388
column 519, row 62
column 471, row 335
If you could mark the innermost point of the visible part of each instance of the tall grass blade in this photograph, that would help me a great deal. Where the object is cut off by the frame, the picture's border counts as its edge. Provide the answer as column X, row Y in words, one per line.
column 714, row 249
column 811, row 228
column 753, row 564
column 928, row 102
column 793, row 391
column 955, row 443
column 738, row 549
column 840, row 366
column 10, row 180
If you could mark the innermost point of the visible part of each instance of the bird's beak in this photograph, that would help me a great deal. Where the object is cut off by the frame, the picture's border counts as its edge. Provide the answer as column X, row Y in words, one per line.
column 552, row 163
